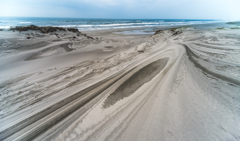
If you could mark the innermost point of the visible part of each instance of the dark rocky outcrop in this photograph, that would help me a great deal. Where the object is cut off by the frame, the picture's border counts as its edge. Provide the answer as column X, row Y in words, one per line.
column 180, row 28
column 89, row 37
column 158, row 32
column 85, row 35
column 50, row 30
column 177, row 33
column 74, row 30
column 173, row 30
column 43, row 29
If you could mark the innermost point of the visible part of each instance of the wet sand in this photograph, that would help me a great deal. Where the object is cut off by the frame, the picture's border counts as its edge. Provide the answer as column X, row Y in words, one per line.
column 180, row 84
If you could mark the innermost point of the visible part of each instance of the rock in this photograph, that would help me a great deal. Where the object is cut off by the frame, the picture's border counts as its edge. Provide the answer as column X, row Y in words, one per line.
column 28, row 37
column 158, row 32
column 73, row 38
column 89, row 37
column 84, row 34
column 47, row 30
column 56, row 35
column 74, row 30
column 177, row 33
column 44, row 30
column 1, row 29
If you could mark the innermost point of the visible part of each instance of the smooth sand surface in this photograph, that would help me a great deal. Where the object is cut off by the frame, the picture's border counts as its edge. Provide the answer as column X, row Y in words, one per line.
column 181, row 85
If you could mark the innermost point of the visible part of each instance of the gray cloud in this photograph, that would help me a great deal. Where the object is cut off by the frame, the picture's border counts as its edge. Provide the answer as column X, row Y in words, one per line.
column 181, row 9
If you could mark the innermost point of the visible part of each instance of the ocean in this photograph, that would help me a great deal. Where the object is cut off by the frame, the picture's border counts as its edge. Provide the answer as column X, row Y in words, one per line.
column 96, row 24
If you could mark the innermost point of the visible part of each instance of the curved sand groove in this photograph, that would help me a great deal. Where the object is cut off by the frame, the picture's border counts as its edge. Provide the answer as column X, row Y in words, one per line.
column 124, row 109
column 185, row 86
column 183, row 104
column 15, row 123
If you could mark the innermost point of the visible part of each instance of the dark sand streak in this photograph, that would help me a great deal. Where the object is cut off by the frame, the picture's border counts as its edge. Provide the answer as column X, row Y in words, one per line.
column 137, row 80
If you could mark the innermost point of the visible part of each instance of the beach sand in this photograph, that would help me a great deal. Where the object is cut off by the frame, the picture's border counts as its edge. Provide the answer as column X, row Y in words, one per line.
column 179, row 84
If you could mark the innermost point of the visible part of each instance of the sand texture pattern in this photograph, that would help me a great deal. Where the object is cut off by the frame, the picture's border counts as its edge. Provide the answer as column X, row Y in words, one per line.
column 180, row 84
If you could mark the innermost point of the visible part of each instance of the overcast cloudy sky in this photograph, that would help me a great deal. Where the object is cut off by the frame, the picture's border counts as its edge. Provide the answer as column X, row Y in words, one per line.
column 149, row 9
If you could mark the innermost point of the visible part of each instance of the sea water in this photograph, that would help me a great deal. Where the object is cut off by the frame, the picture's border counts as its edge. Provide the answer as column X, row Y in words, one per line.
column 96, row 24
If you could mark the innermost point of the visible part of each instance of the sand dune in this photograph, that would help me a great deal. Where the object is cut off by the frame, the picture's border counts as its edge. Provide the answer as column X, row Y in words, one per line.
column 182, row 85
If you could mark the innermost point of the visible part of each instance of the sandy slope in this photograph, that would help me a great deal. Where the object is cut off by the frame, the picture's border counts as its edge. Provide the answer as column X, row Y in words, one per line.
column 183, row 86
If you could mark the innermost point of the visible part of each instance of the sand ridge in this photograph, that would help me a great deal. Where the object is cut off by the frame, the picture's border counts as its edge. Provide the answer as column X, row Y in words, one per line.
column 183, row 85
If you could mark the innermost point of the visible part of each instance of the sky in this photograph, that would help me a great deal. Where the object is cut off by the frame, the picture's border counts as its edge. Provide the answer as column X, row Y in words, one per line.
column 123, row 9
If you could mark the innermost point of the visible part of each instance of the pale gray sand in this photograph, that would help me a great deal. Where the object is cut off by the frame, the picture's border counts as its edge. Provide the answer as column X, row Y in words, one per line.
column 183, row 86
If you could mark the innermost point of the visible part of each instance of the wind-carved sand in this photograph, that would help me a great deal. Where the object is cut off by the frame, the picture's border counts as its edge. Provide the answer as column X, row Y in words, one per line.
column 178, row 84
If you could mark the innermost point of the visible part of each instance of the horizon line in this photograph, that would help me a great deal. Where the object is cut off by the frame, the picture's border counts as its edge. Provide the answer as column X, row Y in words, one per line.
column 112, row 18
